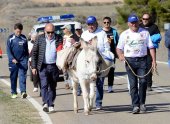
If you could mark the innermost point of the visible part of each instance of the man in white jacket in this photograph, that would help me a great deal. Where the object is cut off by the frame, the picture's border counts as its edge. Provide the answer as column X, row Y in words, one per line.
column 103, row 48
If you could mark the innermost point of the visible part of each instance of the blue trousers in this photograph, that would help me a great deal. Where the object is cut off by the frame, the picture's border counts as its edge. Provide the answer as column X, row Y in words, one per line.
column 99, row 91
column 19, row 69
column 149, row 76
column 138, row 64
column 48, row 75
column 111, row 75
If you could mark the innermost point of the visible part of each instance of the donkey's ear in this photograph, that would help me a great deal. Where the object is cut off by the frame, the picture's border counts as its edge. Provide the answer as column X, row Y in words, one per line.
column 94, row 42
column 83, row 43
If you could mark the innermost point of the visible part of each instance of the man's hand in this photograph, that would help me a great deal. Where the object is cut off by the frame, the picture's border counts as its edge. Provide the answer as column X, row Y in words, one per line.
column 121, row 57
column 14, row 61
column 34, row 71
column 154, row 68
column 109, row 40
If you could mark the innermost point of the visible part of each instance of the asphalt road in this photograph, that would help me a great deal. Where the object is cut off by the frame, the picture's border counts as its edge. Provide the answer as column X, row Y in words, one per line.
column 116, row 106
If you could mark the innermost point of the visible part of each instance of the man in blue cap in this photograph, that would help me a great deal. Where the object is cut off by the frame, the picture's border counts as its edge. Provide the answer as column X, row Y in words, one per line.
column 132, row 48
column 103, row 47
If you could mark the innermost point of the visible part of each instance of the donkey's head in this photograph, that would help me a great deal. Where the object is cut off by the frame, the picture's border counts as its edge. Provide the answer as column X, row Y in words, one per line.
column 90, row 57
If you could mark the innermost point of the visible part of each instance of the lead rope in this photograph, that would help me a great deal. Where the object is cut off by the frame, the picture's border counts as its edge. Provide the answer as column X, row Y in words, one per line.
column 151, row 69
column 101, row 71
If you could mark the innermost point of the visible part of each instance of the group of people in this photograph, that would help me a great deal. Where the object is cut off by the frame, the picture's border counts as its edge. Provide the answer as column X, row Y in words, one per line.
column 136, row 46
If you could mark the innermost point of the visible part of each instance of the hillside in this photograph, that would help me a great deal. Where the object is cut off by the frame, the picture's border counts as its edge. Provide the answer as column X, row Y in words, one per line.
column 75, row 1
column 27, row 12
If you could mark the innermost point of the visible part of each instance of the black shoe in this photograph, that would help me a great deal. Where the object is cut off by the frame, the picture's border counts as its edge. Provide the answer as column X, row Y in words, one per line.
column 149, row 88
column 143, row 108
column 135, row 110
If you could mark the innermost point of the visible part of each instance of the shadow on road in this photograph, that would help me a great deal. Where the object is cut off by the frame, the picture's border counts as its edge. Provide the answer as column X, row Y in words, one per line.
column 4, row 77
column 151, row 108
column 120, row 73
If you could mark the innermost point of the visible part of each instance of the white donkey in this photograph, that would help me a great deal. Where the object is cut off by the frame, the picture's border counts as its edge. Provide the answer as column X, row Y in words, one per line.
column 85, row 74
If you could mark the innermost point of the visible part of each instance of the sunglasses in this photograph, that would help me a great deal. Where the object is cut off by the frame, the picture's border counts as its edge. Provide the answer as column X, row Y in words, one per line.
column 50, row 32
column 145, row 18
column 106, row 22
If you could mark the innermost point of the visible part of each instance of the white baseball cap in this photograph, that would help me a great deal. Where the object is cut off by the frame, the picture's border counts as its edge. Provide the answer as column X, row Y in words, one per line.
column 67, row 26
column 78, row 25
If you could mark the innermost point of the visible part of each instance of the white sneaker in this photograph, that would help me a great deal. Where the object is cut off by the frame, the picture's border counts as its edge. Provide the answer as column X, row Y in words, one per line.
column 98, row 108
column 51, row 109
column 35, row 89
column 45, row 108
column 110, row 90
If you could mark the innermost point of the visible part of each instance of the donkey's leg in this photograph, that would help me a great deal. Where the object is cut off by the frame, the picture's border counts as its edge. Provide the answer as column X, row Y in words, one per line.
column 83, row 85
column 75, row 85
column 92, row 93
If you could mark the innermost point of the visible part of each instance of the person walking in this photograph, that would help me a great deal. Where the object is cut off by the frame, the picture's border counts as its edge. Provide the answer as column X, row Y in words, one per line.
column 34, row 78
column 44, row 57
column 113, row 38
column 103, row 47
column 17, row 51
column 68, row 41
column 132, row 48
column 76, row 36
column 147, row 23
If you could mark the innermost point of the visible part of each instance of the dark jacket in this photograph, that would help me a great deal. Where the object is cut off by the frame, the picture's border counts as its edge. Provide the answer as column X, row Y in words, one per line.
column 154, row 33
column 17, row 48
column 38, row 51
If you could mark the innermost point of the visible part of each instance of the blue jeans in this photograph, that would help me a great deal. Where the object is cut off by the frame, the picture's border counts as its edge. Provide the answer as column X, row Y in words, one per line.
column 19, row 69
column 48, row 75
column 138, row 64
column 99, row 91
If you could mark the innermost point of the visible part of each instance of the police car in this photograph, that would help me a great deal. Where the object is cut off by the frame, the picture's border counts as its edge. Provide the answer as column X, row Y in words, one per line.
column 58, row 21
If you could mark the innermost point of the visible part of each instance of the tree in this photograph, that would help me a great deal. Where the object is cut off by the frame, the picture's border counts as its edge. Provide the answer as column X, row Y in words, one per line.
column 159, row 9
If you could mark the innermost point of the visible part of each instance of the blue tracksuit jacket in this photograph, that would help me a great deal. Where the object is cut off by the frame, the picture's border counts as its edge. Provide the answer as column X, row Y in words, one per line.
column 17, row 48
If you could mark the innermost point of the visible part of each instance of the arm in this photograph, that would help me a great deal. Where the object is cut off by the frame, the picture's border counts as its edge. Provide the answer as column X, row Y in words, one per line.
column 9, row 51
column 34, row 59
column 116, row 36
column 153, row 55
column 120, row 48
column 120, row 54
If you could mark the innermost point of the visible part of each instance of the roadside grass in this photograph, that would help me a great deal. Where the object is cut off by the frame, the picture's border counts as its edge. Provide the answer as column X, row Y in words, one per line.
column 17, row 111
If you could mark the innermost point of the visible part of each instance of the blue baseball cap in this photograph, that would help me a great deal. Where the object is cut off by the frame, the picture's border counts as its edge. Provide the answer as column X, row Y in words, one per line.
column 133, row 18
column 90, row 20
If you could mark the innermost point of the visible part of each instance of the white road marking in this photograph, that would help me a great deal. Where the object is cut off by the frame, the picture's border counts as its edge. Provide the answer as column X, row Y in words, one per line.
column 155, row 88
column 166, row 63
column 46, row 119
column 159, row 89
